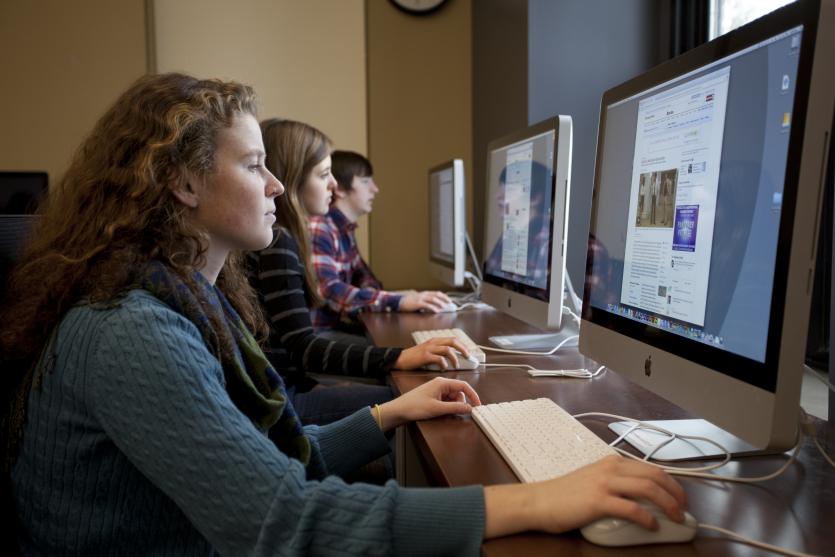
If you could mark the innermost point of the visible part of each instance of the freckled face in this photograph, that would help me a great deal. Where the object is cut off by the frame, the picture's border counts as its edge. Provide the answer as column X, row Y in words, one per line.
column 236, row 203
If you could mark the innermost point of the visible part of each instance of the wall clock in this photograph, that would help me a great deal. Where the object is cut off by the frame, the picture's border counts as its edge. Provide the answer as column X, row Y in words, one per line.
column 419, row 7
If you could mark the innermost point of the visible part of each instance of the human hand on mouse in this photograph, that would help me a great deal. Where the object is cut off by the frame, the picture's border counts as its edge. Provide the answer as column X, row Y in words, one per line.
column 438, row 351
column 438, row 397
column 611, row 487
column 428, row 300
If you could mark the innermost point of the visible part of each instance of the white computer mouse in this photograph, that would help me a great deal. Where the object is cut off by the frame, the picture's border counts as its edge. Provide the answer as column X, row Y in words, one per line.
column 448, row 307
column 616, row 532
column 463, row 363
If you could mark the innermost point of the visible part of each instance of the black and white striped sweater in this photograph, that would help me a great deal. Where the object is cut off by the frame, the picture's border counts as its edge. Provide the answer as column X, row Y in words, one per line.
column 294, row 347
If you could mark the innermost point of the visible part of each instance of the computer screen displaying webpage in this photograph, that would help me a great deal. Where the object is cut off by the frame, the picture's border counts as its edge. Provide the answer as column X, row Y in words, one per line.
column 675, row 177
column 690, row 196
column 442, row 216
column 518, row 225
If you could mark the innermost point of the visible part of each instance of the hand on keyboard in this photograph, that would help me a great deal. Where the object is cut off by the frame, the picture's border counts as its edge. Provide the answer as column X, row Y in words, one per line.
column 441, row 352
column 460, row 335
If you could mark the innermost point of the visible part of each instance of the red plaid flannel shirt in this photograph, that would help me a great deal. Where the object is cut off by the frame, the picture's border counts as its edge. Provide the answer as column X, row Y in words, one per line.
column 345, row 282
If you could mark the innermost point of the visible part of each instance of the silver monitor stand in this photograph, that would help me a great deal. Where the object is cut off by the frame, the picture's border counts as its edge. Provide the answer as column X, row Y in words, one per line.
column 572, row 305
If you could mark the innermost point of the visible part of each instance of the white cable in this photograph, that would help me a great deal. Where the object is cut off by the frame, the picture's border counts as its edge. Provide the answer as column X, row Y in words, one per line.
column 575, row 303
column 678, row 471
column 572, row 314
column 697, row 472
column 471, row 297
column 809, row 428
column 474, row 282
column 805, row 423
column 817, row 376
column 476, row 264
column 823, row 452
column 534, row 372
column 524, row 353
column 755, row 543
column 671, row 435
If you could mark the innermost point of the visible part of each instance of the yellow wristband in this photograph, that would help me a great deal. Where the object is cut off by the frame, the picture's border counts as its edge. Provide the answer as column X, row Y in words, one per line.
column 379, row 416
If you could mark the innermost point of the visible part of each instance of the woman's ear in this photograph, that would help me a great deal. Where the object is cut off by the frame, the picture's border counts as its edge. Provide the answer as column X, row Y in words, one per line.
column 186, row 190
column 339, row 193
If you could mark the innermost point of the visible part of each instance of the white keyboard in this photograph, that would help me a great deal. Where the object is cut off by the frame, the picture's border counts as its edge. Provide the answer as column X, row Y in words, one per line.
column 538, row 439
column 461, row 336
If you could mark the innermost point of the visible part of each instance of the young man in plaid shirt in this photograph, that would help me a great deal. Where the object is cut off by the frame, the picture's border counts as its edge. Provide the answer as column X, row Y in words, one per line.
column 345, row 281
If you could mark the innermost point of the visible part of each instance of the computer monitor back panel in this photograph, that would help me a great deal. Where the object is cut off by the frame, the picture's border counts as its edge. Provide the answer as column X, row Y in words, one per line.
column 526, row 222
column 20, row 192
column 707, row 191
column 447, row 226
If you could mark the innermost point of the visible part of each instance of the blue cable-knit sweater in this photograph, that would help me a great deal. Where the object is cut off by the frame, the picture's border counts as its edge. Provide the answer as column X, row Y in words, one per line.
column 132, row 446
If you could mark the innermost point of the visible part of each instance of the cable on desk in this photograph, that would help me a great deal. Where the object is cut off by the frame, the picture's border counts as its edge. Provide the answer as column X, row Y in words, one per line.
column 534, row 372
column 578, row 373
column 524, row 353
column 823, row 452
column 699, row 471
column 755, row 543
column 467, row 305
column 809, row 428
column 638, row 424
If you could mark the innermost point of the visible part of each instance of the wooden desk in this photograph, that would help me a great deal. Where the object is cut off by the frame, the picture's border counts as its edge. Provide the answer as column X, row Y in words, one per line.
column 795, row 510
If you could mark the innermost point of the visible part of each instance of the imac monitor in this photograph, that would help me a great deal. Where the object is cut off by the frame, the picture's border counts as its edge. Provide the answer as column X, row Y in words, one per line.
column 447, row 227
column 526, row 221
column 708, row 181
column 20, row 193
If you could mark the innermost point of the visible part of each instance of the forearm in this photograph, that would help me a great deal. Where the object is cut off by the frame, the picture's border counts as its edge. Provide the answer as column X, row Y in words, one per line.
column 350, row 442
column 347, row 299
column 310, row 352
column 389, row 415
column 293, row 330
column 439, row 521
column 509, row 509
column 363, row 276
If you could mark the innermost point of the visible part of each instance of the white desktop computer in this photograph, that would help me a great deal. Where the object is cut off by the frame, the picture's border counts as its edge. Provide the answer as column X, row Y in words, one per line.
column 449, row 242
column 525, row 228
column 708, row 179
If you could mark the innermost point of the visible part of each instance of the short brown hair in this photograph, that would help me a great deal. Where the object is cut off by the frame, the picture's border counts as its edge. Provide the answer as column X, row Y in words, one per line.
column 347, row 164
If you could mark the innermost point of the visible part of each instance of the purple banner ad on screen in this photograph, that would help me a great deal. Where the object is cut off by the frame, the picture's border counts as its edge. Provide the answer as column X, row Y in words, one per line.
column 684, row 229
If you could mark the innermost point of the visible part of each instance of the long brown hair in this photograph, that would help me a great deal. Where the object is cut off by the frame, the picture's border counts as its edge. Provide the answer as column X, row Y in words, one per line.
column 293, row 150
column 114, row 211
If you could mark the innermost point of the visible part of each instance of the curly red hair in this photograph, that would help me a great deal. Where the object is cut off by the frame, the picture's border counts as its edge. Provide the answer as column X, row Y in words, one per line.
column 114, row 211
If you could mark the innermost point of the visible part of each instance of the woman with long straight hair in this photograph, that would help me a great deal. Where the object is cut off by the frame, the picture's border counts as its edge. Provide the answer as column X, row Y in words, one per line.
column 299, row 155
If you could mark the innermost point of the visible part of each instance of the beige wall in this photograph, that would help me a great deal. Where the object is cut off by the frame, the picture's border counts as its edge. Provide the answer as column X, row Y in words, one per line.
column 63, row 64
column 420, row 114
column 306, row 59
